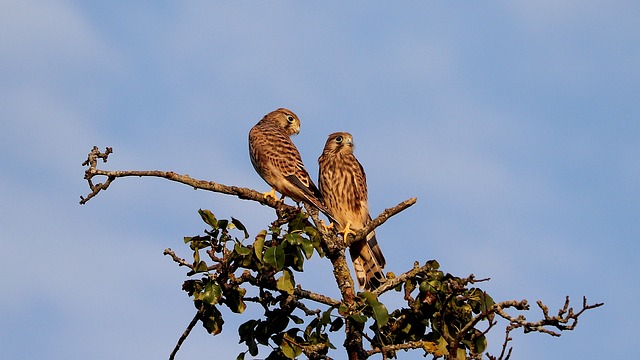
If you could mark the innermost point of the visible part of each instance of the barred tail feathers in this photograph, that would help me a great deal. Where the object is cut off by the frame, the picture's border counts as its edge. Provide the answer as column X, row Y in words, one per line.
column 368, row 263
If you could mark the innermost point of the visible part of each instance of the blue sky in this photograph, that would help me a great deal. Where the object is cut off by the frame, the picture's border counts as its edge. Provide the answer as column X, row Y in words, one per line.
column 515, row 124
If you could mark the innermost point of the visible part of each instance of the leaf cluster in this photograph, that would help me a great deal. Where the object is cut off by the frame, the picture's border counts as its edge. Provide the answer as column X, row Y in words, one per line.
column 444, row 315
column 438, row 305
column 268, row 263
column 440, row 313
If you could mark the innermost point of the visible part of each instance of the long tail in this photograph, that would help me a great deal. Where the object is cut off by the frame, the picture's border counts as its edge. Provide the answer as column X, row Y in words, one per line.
column 368, row 262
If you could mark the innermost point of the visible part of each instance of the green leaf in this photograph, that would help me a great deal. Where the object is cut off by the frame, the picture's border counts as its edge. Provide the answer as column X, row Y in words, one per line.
column 235, row 300
column 290, row 350
column 262, row 333
column 308, row 332
column 241, row 356
column 431, row 286
column 212, row 293
column 198, row 242
column 326, row 316
column 299, row 222
column 274, row 256
column 192, row 286
column 487, row 302
column 434, row 265
column 296, row 257
column 480, row 344
column 277, row 321
column 380, row 313
column 247, row 332
column 208, row 217
column 258, row 244
column 270, row 256
column 223, row 224
column 359, row 318
column 212, row 320
column 196, row 256
column 286, row 282
column 442, row 345
column 287, row 350
column 201, row 267
column 253, row 347
column 343, row 309
column 293, row 238
column 240, row 249
column 296, row 319
column 336, row 324
column 240, row 226
column 311, row 231
column 307, row 247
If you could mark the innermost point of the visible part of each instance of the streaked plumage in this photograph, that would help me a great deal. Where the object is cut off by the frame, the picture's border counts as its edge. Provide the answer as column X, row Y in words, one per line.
column 277, row 160
column 343, row 185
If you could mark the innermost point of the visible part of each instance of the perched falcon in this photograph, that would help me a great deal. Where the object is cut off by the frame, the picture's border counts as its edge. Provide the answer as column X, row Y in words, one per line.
column 343, row 185
column 277, row 160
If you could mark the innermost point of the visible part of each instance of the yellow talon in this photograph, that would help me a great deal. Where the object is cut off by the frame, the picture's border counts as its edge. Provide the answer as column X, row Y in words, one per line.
column 270, row 194
column 326, row 227
column 347, row 231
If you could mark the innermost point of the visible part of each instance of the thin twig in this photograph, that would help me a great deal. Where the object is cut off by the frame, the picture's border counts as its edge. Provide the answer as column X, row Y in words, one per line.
column 180, row 261
column 381, row 219
column 186, row 332
column 411, row 274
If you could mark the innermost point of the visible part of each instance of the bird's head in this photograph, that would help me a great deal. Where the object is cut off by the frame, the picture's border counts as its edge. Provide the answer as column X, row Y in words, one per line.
column 339, row 142
column 286, row 120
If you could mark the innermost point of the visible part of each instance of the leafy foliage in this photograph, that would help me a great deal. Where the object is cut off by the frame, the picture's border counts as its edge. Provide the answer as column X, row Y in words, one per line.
column 442, row 313
column 269, row 264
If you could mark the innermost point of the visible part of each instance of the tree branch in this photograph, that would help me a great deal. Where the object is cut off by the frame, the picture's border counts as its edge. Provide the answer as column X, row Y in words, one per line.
column 565, row 316
column 177, row 259
column 392, row 283
column 381, row 219
column 186, row 333
column 428, row 346
column 240, row 192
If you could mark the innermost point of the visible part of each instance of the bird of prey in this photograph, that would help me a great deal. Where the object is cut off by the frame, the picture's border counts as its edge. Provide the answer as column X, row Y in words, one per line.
column 343, row 185
column 277, row 160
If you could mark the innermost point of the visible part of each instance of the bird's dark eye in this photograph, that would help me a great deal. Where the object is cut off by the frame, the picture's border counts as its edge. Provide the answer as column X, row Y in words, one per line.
column 338, row 139
column 290, row 119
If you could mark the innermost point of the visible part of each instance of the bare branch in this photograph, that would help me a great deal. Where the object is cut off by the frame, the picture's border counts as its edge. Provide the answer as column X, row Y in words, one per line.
column 411, row 274
column 180, row 261
column 186, row 333
column 428, row 346
column 298, row 291
column 565, row 320
column 381, row 219
column 240, row 192
column 507, row 338
column 306, row 294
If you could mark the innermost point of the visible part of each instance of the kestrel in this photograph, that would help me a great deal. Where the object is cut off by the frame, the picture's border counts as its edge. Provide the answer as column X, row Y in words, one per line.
column 343, row 185
column 277, row 160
